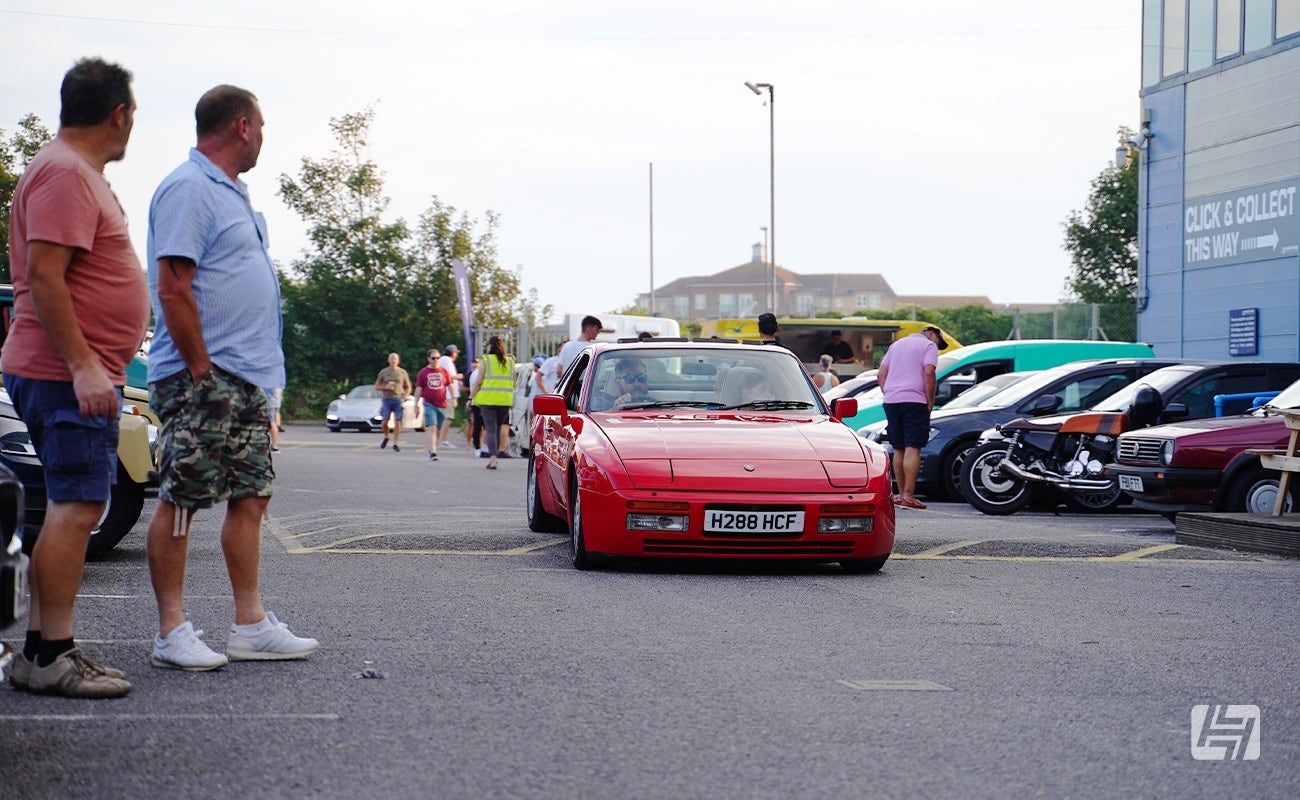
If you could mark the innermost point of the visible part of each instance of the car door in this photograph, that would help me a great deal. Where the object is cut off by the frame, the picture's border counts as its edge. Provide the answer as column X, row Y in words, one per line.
column 560, row 440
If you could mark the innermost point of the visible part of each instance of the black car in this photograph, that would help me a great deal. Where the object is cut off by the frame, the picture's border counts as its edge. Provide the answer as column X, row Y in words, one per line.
column 955, row 431
column 13, row 562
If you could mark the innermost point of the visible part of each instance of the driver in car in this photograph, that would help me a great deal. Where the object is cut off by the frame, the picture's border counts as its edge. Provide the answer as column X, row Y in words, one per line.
column 754, row 388
column 633, row 383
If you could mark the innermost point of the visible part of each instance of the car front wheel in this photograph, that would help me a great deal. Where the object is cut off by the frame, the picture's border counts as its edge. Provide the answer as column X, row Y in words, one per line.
column 1255, row 492
column 123, row 512
column 577, row 542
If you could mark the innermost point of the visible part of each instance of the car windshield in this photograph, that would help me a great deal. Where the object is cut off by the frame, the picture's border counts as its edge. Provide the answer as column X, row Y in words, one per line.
column 748, row 378
column 1162, row 380
column 1289, row 398
column 990, row 390
column 364, row 393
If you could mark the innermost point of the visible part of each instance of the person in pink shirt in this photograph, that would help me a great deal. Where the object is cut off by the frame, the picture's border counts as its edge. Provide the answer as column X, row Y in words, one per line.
column 907, row 378
column 434, row 384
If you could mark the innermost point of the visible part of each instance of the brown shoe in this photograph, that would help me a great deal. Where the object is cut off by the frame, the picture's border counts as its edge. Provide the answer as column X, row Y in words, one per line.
column 20, row 672
column 71, row 675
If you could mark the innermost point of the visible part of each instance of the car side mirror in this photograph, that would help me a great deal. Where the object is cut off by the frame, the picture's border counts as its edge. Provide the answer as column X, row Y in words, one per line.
column 1046, row 404
column 1175, row 411
column 551, row 405
column 843, row 408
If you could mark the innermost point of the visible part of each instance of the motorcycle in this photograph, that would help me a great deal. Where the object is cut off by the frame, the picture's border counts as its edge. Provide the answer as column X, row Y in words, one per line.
column 1065, row 455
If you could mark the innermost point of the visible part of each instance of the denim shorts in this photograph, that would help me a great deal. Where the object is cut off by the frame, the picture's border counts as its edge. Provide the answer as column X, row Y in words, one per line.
column 391, row 406
column 215, row 442
column 78, row 454
column 909, row 425
column 434, row 415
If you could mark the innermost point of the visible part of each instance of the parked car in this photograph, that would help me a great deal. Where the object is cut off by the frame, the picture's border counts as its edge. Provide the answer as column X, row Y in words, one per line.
column 137, row 456
column 359, row 410
column 732, row 453
column 13, row 561
column 852, row 387
column 960, row 369
column 955, row 429
column 1176, row 393
column 1203, row 465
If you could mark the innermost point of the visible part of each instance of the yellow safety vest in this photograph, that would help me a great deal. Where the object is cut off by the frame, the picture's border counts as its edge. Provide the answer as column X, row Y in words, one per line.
column 498, row 387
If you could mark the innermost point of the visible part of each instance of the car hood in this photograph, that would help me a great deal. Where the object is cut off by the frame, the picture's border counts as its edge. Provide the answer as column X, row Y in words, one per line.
column 736, row 452
column 1174, row 430
column 364, row 407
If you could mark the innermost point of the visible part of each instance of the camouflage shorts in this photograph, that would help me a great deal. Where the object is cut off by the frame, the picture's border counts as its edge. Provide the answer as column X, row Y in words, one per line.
column 215, row 441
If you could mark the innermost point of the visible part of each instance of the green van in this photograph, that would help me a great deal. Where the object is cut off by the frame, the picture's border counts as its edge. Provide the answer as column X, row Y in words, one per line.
column 966, row 366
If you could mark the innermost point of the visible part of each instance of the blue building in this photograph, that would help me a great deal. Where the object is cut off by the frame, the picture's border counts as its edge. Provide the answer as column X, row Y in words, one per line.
column 1218, row 228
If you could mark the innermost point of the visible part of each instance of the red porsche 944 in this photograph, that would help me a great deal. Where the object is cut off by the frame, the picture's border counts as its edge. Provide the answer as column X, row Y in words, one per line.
column 705, row 449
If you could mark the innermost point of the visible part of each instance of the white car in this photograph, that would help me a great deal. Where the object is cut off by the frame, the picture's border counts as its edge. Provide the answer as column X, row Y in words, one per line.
column 359, row 410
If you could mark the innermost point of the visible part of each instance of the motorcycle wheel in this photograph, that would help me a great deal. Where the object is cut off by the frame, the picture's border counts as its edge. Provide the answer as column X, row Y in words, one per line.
column 986, row 487
column 1096, row 502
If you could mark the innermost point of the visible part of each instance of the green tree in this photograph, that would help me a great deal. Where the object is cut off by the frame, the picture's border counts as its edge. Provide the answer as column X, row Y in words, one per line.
column 973, row 323
column 367, row 286
column 1102, row 239
column 16, row 152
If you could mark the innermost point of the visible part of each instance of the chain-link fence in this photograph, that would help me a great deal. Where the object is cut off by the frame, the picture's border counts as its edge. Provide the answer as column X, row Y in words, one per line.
column 1115, row 322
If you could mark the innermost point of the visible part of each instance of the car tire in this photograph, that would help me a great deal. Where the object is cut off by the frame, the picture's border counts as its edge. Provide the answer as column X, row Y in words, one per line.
column 124, row 506
column 987, row 489
column 538, row 520
column 950, row 476
column 1096, row 502
column 577, row 540
column 1254, row 491
column 863, row 566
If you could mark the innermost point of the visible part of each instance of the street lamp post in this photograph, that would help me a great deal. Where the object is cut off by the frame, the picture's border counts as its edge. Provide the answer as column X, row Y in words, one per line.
column 757, row 88
column 766, row 258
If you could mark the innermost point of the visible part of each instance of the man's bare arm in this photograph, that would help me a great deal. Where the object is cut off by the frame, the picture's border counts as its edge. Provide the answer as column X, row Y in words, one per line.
column 181, row 312
column 47, row 269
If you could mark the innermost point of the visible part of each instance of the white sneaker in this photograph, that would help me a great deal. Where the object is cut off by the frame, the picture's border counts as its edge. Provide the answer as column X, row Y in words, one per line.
column 447, row 445
column 183, row 649
column 270, row 641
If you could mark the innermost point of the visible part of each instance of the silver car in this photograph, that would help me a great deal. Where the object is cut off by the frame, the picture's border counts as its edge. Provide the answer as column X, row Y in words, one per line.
column 359, row 410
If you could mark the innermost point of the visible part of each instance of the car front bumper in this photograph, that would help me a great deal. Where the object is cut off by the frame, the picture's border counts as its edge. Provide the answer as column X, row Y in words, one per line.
column 606, row 532
column 1170, row 488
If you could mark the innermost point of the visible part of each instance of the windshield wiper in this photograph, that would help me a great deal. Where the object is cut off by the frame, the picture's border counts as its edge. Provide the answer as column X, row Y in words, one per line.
column 672, row 404
column 772, row 405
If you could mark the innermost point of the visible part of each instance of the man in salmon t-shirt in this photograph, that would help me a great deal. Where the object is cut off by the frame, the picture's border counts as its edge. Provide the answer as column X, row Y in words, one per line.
column 434, row 384
column 80, row 309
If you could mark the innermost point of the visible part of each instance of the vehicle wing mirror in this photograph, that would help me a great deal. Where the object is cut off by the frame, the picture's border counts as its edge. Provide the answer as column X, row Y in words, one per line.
column 844, row 408
column 1175, row 411
column 1146, row 407
column 551, row 405
column 1046, row 404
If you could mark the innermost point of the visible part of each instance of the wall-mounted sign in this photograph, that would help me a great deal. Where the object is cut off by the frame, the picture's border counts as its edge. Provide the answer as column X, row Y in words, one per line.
column 1243, row 332
column 1236, row 227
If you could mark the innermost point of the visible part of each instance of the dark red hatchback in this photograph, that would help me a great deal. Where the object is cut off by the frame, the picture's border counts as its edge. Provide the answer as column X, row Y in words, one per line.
column 1203, row 464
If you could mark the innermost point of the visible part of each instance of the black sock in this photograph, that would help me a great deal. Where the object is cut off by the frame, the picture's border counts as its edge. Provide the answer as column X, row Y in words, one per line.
column 31, row 645
column 50, row 650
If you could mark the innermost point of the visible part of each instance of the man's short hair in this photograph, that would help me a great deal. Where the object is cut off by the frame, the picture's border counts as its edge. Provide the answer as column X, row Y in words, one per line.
column 590, row 321
column 629, row 365
column 90, row 92
column 220, row 106
column 767, row 324
column 837, row 333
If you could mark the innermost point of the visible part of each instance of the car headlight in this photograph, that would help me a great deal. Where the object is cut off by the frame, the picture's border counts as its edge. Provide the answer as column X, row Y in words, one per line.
column 875, row 432
column 330, row 416
column 17, row 443
column 1167, row 452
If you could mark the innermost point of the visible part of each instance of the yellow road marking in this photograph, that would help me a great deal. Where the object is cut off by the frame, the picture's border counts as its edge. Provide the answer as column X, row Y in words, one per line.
column 944, row 548
column 514, row 551
column 1146, row 551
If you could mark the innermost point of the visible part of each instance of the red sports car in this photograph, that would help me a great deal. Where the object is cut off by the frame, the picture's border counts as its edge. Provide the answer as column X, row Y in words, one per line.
column 705, row 449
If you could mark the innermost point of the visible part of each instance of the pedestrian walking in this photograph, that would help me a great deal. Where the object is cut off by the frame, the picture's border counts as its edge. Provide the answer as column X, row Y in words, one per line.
column 448, row 362
column 493, row 394
column 394, row 386
column 435, row 390
column 906, row 377
column 79, row 315
column 216, row 299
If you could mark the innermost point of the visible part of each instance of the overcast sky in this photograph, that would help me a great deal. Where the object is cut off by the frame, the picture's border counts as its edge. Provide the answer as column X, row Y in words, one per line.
column 939, row 143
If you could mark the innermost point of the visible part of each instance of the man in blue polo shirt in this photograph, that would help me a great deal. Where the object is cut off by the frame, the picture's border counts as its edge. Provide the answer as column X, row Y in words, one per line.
column 216, row 298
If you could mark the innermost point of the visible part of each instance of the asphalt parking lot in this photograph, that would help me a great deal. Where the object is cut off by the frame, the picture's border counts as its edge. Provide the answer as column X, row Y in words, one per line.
column 1037, row 655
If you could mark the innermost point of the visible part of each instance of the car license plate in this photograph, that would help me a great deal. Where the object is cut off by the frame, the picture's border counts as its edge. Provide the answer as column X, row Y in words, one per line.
column 718, row 521
column 1130, row 483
